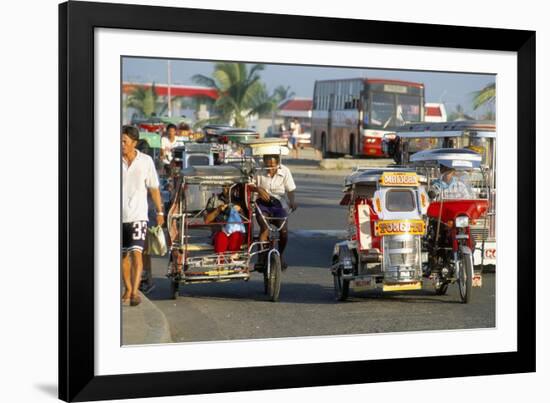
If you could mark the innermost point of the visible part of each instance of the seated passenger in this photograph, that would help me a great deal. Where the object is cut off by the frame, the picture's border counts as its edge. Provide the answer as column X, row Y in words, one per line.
column 229, row 235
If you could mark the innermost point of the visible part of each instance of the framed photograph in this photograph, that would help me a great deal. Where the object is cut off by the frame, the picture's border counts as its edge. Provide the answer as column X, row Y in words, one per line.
column 264, row 201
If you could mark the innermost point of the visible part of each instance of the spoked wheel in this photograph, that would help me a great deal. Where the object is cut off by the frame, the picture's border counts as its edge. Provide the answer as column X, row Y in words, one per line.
column 174, row 289
column 341, row 287
column 266, row 283
column 465, row 272
column 274, row 280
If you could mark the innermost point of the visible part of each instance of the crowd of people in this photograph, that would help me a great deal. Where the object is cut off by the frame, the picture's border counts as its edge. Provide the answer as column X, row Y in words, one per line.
column 143, row 206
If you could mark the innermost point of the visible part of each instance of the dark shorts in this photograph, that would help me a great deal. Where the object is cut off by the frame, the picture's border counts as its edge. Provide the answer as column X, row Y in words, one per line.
column 272, row 209
column 133, row 236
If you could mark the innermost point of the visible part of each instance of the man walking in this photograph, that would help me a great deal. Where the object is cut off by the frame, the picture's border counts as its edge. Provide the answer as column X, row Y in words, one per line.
column 138, row 177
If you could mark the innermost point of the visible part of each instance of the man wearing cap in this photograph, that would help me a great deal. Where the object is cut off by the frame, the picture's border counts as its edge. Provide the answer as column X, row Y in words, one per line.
column 138, row 177
column 274, row 186
column 451, row 184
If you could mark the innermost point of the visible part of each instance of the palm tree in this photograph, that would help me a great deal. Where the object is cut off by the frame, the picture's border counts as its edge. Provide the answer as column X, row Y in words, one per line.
column 242, row 94
column 281, row 93
column 144, row 99
column 484, row 96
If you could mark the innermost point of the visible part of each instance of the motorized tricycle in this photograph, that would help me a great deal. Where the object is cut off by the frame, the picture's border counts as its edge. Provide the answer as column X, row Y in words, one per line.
column 478, row 136
column 386, row 210
column 192, row 255
column 455, row 205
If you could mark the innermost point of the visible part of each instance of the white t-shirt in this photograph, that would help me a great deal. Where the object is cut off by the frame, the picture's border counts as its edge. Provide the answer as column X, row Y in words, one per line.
column 136, row 180
column 277, row 185
column 295, row 127
column 167, row 146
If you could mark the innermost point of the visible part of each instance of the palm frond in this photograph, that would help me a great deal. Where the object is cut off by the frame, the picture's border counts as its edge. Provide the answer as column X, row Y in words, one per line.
column 484, row 96
column 204, row 80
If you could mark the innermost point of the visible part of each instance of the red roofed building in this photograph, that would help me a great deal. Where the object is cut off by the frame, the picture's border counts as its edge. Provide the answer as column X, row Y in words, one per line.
column 175, row 90
column 434, row 112
column 177, row 93
column 296, row 108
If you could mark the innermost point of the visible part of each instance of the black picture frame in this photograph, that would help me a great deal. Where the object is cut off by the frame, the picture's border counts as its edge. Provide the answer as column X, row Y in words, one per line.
column 77, row 21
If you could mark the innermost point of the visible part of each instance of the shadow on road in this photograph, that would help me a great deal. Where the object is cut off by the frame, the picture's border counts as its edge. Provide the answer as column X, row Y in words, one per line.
column 420, row 296
column 251, row 291
column 291, row 293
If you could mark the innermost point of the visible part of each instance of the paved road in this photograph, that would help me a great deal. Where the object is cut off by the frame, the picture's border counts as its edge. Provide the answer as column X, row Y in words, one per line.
column 240, row 310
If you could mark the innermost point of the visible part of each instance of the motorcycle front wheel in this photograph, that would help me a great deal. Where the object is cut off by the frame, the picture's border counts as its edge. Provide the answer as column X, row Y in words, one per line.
column 464, row 275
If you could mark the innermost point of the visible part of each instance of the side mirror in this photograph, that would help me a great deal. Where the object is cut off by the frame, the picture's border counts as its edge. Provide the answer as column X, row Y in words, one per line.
column 483, row 194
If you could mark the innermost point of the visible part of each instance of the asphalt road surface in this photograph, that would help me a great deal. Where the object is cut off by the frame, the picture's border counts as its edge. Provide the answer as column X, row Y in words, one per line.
column 307, row 307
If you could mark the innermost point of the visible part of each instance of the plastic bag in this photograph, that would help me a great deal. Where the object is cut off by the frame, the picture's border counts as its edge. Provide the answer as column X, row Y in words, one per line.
column 156, row 242
column 234, row 222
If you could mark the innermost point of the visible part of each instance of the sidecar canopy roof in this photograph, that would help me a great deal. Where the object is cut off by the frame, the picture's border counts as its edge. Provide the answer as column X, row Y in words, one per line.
column 448, row 129
column 269, row 146
column 217, row 174
column 449, row 157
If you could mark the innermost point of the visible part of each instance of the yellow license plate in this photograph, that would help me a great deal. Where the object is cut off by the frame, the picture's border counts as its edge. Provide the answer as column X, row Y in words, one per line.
column 403, row 287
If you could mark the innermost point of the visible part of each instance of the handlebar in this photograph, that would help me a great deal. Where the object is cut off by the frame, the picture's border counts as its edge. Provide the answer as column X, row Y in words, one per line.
column 268, row 220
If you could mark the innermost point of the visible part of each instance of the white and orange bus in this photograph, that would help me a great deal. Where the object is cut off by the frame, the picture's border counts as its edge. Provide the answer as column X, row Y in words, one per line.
column 351, row 116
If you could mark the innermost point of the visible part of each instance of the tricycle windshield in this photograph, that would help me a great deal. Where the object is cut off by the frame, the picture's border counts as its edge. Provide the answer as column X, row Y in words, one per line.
column 454, row 184
column 400, row 200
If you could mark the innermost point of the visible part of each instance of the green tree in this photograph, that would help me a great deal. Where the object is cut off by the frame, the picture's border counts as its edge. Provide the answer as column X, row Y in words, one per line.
column 457, row 114
column 144, row 99
column 281, row 93
column 241, row 93
column 484, row 96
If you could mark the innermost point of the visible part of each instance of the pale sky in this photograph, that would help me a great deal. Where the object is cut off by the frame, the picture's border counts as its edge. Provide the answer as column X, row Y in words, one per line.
column 449, row 88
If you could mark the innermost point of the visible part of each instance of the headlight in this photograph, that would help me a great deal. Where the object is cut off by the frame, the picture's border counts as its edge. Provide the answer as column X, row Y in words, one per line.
column 461, row 221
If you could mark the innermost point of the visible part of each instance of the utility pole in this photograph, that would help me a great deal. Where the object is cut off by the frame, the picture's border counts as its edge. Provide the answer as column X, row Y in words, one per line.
column 169, row 95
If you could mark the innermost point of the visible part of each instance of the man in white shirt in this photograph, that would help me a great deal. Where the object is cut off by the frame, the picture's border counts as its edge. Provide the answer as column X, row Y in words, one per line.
column 295, row 130
column 167, row 143
column 274, row 186
column 138, row 177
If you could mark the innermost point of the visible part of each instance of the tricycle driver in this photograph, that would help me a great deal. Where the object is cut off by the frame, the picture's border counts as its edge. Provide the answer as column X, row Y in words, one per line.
column 274, row 186
column 452, row 184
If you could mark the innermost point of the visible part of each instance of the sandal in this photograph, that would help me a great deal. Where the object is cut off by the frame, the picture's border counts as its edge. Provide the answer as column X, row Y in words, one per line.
column 135, row 300
column 125, row 301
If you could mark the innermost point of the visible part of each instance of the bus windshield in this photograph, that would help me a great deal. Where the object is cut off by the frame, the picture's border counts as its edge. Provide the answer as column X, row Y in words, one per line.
column 389, row 110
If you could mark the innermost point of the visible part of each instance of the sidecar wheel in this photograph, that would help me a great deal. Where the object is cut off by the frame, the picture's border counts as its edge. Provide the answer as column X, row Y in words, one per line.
column 341, row 287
